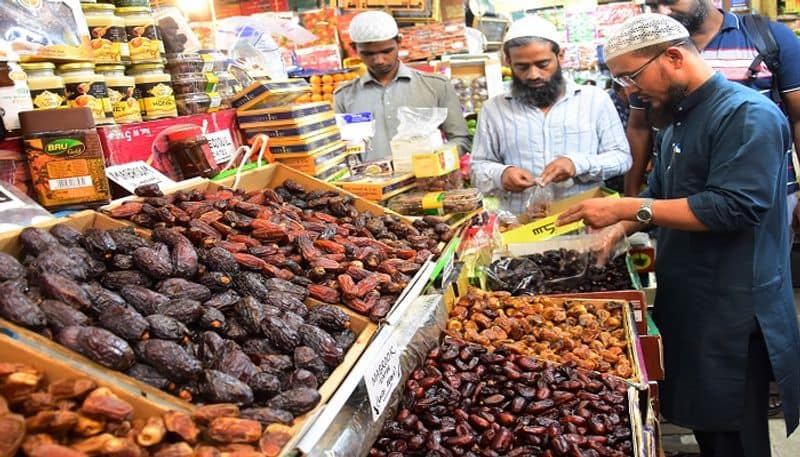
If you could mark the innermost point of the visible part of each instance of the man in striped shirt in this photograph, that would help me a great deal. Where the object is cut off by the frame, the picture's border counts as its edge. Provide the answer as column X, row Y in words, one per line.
column 548, row 129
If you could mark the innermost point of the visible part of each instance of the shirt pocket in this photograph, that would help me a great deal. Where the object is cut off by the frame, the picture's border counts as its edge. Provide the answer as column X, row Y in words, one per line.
column 577, row 138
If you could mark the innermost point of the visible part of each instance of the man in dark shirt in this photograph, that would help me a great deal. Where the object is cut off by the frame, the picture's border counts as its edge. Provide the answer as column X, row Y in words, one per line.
column 726, row 46
column 717, row 192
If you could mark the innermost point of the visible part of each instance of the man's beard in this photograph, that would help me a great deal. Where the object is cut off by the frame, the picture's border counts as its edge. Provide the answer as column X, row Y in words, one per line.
column 661, row 116
column 542, row 96
column 693, row 20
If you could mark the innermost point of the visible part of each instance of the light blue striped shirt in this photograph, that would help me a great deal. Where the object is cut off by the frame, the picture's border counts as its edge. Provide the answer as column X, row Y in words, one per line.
column 583, row 126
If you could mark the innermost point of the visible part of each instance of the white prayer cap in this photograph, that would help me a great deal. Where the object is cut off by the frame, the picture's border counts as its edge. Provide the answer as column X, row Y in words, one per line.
column 533, row 27
column 372, row 26
column 642, row 31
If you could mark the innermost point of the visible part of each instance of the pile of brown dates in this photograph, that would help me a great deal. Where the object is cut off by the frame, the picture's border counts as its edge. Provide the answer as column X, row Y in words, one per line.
column 73, row 417
column 193, row 322
column 558, row 271
column 316, row 239
column 467, row 401
column 590, row 334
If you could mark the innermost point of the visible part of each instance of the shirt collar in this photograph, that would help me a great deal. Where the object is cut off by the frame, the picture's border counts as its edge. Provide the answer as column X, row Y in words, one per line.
column 403, row 72
column 703, row 92
column 729, row 21
column 571, row 90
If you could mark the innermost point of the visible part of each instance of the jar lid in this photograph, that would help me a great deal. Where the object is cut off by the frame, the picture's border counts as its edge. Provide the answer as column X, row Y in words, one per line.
column 76, row 66
column 99, row 7
column 38, row 66
column 188, row 77
column 134, row 9
column 184, row 133
column 146, row 67
column 105, row 68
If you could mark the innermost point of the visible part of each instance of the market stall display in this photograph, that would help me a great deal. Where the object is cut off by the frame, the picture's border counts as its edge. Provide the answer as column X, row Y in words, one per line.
column 244, row 307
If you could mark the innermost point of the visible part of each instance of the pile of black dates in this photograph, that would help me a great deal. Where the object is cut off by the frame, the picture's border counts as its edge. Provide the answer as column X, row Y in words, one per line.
column 466, row 401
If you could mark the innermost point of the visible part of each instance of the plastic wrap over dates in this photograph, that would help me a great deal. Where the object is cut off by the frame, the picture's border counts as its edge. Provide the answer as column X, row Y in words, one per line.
column 469, row 401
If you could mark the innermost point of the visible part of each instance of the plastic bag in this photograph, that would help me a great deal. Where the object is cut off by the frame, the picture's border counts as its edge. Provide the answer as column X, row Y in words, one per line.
column 53, row 29
column 17, row 210
column 538, row 204
column 417, row 132
column 563, row 265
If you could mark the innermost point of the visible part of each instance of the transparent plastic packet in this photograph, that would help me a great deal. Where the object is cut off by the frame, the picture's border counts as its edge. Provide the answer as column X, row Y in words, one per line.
column 562, row 265
column 538, row 204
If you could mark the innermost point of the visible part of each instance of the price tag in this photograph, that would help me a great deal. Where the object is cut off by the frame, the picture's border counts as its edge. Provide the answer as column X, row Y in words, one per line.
column 222, row 145
column 381, row 378
column 134, row 174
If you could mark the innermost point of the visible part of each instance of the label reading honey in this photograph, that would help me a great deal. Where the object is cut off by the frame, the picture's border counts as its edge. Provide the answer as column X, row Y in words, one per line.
column 124, row 104
column 49, row 98
column 67, row 170
column 144, row 43
column 156, row 100
column 92, row 95
column 109, row 44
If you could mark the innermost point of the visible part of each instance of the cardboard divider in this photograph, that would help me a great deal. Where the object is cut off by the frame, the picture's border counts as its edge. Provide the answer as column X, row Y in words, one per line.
column 150, row 400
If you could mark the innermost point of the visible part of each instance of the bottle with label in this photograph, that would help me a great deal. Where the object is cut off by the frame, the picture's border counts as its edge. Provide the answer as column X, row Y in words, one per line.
column 65, row 158
column 121, row 93
column 144, row 40
column 107, row 32
column 47, row 89
column 14, row 96
column 154, row 91
column 85, row 88
column 190, row 153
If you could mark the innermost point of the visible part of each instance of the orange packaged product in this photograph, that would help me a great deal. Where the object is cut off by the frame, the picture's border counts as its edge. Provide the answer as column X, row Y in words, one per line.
column 65, row 158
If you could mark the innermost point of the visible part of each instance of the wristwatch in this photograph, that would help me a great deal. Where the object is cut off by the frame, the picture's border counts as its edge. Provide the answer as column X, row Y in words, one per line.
column 645, row 212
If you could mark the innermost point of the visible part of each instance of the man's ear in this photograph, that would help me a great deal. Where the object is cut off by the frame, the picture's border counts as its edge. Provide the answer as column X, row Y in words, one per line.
column 399, row 39
column 676, row 56
column 561, row 55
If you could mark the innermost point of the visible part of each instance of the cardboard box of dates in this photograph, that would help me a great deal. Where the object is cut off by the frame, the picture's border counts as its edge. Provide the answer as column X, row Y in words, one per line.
column 154, row 311
column 344, row 249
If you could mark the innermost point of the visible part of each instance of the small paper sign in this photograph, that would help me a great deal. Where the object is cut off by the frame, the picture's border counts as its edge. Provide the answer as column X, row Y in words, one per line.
column 381, row 378
column 131, row 175
column 222, row 145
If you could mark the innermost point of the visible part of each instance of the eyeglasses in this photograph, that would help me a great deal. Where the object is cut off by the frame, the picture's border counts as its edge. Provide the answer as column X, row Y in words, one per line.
column 630, row 80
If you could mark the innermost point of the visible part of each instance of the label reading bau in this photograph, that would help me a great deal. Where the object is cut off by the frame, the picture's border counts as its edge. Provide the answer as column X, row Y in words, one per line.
column 381, row 378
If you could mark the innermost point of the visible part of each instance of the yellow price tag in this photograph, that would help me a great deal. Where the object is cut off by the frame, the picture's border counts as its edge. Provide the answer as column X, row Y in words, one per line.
column 540, row 230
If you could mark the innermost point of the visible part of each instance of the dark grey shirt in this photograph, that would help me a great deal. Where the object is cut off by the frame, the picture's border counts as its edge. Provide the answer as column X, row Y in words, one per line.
column 409, row 88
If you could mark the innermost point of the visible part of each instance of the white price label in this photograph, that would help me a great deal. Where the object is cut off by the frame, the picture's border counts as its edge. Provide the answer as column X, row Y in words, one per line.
column 381, row 378
column 134, row 174
column 9, row 200
column 222, row 146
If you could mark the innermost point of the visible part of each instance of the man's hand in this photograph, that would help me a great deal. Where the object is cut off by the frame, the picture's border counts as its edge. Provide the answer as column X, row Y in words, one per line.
column 595, row 212
column 558, row 170
column 516, row 179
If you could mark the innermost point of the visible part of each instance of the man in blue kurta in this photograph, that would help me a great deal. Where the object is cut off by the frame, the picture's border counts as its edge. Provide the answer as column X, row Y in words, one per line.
column 724, row 302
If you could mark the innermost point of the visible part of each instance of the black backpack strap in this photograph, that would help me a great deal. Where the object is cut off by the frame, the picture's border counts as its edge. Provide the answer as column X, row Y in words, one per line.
column 757, row 30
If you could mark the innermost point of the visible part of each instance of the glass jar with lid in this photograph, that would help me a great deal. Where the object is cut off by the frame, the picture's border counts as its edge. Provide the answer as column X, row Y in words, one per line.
column 154, row 91
column 121, row 93
column 47, row 89
column 144, row 39
column 85, row 88
column 107, row 32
